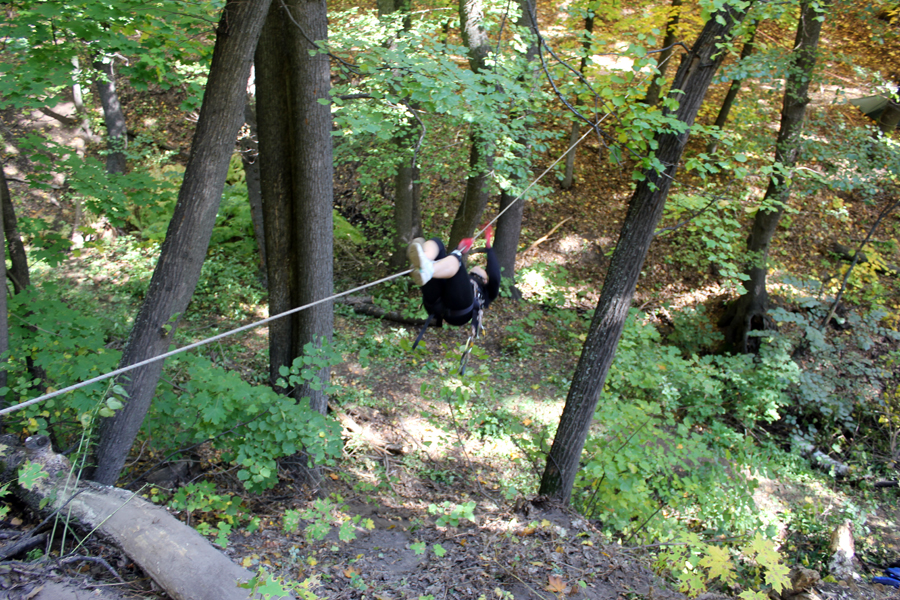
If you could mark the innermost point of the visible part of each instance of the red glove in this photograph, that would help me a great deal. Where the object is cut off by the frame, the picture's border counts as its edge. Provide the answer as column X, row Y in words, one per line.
column 488, row 234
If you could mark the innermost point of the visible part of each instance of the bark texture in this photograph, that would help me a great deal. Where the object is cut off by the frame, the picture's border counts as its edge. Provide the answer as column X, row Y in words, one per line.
column 475, row 199
column 296, row 161
column 644, row 211
column 18, row 269
column 749, row 312
column 113, row 117
column 187, row 238
column 509, row 224
column 250, row 161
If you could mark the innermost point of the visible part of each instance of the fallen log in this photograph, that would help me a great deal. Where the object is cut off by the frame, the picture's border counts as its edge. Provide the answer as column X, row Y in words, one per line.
column 180, row 560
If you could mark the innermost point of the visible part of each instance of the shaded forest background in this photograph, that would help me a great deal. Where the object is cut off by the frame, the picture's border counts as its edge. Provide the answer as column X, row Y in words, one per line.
column 441, row 117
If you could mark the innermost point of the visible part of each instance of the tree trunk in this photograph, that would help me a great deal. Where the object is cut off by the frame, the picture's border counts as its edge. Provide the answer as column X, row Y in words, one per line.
column 116, row 133
column 187, row 238
column 890, row 116
column 644, row 211
column 313, row 165
column 250, row 160
column 407, row 213
column 274, row 123
column 662, row 63
column 407, row 216
column 569, row 176
column 730, row 97
column 749, row 312
column 297, row 179
column 4, row 311
column 475, row 199
column 509, row 224
column 18, row 270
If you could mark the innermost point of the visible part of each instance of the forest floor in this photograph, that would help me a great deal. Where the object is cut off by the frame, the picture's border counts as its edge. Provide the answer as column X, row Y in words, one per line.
column 404, row 454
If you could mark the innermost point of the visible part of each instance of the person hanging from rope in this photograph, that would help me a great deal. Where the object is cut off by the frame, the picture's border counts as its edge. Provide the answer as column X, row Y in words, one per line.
column 449, row 292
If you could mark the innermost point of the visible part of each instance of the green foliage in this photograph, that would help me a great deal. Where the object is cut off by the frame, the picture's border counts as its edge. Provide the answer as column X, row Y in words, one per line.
column 322, row 516
column 662, row 457
column 268, row 586
column 30, row 474
column 708, row 231
column 252, row 425
column 833, row 389
column 451, row 514
column 216, row 513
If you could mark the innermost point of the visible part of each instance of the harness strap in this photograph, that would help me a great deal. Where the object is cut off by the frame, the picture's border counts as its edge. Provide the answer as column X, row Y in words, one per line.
column 423, row 330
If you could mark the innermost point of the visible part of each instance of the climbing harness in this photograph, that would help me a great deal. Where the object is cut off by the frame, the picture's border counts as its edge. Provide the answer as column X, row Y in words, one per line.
column 477, row 310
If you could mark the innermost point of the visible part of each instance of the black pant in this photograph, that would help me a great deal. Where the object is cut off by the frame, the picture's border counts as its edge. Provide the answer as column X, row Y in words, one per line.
column 440, row 296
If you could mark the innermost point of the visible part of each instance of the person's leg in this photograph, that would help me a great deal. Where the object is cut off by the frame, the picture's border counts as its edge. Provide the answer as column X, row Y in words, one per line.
column 430, row 260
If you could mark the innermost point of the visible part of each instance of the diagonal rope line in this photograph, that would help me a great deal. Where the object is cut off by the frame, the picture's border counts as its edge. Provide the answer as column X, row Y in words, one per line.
column 194, row 345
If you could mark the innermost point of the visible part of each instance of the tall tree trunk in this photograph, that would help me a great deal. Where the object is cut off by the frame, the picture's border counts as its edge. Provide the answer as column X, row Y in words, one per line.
column 4, row 323
column 569, row 175
column 187, row 238
column 662, row 62
column 644, row 211
column 274, row 123
column 407, row 212
column 296, row 160
column 475, row 199
column 116, row 133
column 509, row 224
column 313, row 165
column 296, row 163
column 18, row 259
column 250, row 160
column 733, row 90
column 749, row 312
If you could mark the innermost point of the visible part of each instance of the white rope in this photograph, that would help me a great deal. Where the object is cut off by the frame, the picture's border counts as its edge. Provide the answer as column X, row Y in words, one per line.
column 194, row 345
column 268, row 319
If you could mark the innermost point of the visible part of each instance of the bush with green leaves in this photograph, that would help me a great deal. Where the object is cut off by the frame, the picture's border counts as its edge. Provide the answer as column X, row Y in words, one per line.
column 253, row 425
column 841, row 374
column 666, row 450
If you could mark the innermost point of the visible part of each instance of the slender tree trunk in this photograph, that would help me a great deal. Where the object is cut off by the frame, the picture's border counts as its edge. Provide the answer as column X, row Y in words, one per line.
column 116, row 133
column 509, row 224
column 4, row 311
column 407, row 219
column 275, row 124
column 475, row 199
column 407, row 213
column 733, row 90
column 663, row 60
column 250, row 161
column 644, row 211
column 313, row 187
column 18, row 270
column 569, row 175
column 749, row 312
column 187, row 238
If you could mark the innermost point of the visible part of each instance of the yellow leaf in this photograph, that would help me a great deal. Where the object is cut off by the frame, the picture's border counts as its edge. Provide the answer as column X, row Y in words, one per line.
column 527, row 531
column 555, row 584
column 246, row 562
column 527, row 422
column 311, row 561
column 350, row 572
